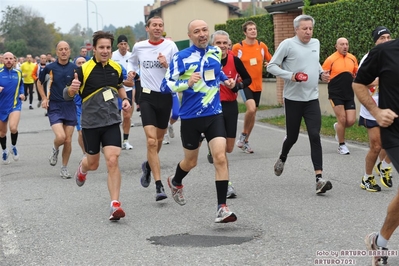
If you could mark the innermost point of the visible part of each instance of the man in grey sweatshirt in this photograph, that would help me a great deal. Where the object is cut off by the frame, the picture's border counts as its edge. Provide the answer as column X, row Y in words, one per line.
column 296, row 60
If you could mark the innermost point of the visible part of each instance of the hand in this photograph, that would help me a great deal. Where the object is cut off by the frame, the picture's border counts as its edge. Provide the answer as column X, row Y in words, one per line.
column 21, row 96
column 325, row 76
column 265, row 64
column 75, row 85
column 44, row 103
column 195, row 77
column 126, row 105
column 384, row 117
column 131, row 75
column 162, row 60
column 301, row 76
column 1, row 88
column 230, row 83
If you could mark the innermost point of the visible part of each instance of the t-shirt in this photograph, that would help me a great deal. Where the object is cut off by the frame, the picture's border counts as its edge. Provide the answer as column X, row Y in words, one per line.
column 145, row 58
column 202, row 99
column 342, row 70
column 27, row 69
column 294, row 56
column 123, row 60
column 382, row 62
column 252, row 56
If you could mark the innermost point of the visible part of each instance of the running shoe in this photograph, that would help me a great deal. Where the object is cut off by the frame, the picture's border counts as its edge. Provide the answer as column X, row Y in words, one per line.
column 160, row 194
column 39, row 103
column 116, row 211
column 343, row 150
column 5, row 157
column 322, row 186
column 145, row 179
column 202, row 137
column 241, row 141
column 370, row 184
column 171, row 131
column 371, row 243
column 385, row 174
column 177, row 192
column 335, row 129
column 165, row 140
column 15, row 154
column 247, row 149
column 30, row 107
column 278, row 167
column 224, row 215
column 126, row 145
column 80, row 178
column 231, row 192
column 65, row 173
column 53, row 157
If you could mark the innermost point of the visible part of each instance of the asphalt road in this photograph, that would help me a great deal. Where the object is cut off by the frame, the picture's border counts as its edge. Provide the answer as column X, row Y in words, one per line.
column 46, row 220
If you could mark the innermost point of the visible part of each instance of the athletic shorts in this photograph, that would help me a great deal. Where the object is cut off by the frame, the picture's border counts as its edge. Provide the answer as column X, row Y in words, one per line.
column 137, row 85
column 230, row 116
column 252, row 95
column 5, row 114
column 367, row 123
column 129, row 94
column 155, row 109
column 348, row 104
column 106, row 136
column 191, row 129
column 62, row 113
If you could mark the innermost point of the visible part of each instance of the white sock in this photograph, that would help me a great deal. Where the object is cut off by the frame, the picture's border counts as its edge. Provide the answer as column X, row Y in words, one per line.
column 366, row 177
column 384, row 164
column 381, row 241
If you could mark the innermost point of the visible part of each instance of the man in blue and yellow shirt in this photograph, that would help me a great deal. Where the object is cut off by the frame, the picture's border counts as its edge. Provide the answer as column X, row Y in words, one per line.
column 11, row 97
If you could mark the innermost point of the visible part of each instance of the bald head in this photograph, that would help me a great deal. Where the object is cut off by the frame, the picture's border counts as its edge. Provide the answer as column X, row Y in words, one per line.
column 63, row 52
column 342, row 46
column 9, row 60
column 198, row 33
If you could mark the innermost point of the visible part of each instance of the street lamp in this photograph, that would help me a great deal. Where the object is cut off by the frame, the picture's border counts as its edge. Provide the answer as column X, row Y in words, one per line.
column 102, row 20
column 92, row 12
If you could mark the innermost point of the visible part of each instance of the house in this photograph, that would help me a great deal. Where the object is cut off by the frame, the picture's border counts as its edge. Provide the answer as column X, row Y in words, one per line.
column 178, row 13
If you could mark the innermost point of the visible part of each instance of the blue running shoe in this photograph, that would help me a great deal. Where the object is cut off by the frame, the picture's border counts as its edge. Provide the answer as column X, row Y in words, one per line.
column 160, row 194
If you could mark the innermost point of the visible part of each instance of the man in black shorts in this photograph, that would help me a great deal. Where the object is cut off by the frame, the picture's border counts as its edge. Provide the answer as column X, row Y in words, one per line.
column 152, row 57
column 100, row 82
column 200, row 112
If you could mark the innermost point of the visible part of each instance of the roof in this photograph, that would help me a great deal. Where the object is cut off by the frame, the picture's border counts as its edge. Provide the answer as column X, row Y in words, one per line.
column 232, row 8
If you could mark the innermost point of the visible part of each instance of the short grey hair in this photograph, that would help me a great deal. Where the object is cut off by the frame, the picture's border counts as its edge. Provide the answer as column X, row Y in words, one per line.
column 300, row 18
column 219, row 32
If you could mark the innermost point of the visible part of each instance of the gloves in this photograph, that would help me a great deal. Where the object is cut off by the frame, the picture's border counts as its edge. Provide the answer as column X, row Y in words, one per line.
column 300, row 76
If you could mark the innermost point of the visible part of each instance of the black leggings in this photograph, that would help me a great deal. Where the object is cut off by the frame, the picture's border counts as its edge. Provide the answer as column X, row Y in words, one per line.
column 29, row 90
column 310, row 111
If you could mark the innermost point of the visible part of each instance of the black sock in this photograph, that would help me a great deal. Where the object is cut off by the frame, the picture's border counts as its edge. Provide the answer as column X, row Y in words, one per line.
column 318, row 176
column 3, row 142
column 179, row 175
column 221, row 191
column 283, row 158
column 147, row 165
column 342, row 143
column 158, row 184
column 125, row 136
column 14, row 137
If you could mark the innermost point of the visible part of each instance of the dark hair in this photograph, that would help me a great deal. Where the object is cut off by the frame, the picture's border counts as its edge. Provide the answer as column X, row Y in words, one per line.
column 102, row 35
column 149, row 20
column 246, row 24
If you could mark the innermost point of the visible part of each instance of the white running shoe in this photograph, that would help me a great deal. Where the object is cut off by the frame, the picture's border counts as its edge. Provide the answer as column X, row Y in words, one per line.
column 343, row 150
column 166, row 139
column 5, row 157
column 126, row 145
column 171, row 131
column 335, row 129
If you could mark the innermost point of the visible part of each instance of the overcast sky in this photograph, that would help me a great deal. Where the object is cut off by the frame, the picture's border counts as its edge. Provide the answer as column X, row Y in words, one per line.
column 65, row 14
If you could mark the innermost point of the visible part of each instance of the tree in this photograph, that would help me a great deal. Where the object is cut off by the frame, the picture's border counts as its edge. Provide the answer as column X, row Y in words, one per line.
column 139, row 31
column 23, row 28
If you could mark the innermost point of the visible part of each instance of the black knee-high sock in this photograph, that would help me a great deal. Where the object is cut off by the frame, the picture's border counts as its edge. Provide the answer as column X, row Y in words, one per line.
column 14, row 137
column 179, row 175
column 3, row 142
column 221, row 191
